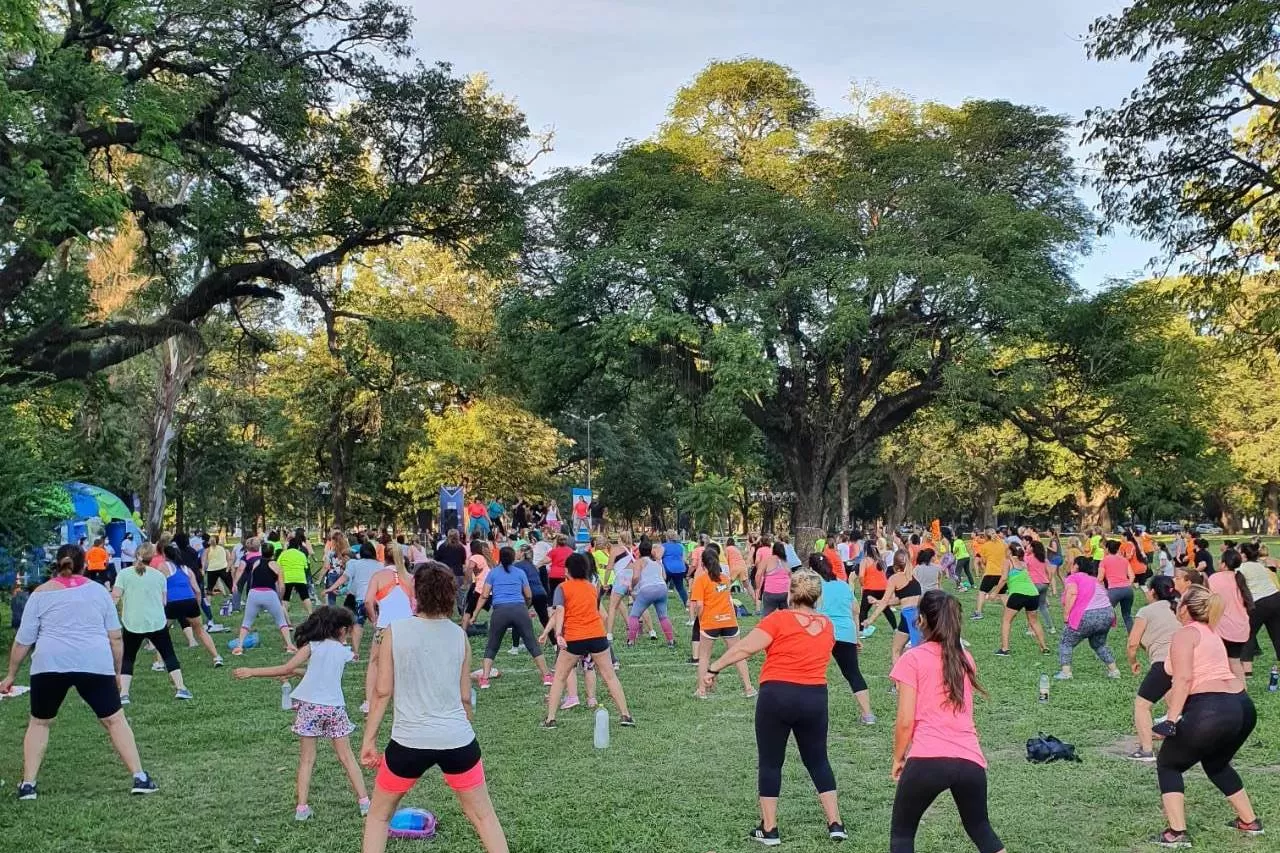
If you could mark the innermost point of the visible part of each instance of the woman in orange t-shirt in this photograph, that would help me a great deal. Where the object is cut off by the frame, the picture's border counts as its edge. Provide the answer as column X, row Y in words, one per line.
column 797, row 643
column 711, row 602
column 874, row 582
column 580, row 633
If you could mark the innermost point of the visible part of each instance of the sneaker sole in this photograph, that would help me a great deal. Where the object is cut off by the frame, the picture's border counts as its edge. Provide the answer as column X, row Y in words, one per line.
column 767, row 842
column 144, row 791
column 28, row 797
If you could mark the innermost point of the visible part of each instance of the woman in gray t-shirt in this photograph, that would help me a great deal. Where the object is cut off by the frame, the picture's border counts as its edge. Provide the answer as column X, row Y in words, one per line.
column 1153, row 629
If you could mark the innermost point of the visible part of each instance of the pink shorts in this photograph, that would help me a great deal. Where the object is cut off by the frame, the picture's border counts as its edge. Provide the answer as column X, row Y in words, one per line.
column 403, row 766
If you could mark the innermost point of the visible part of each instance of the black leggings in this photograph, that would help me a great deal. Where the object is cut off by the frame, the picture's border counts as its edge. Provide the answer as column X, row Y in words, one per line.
column 846, row 655
column 869, row 599
column 922, row 781
column 1213, row 728
column 784, row 709
column 160, row 639
column 539, row 607
column 962, row 567
column 1266, row 614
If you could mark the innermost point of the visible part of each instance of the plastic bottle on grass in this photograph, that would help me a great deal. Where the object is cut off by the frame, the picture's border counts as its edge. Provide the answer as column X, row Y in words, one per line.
column 1044, row 688
column 602, row 728
column 286, row 697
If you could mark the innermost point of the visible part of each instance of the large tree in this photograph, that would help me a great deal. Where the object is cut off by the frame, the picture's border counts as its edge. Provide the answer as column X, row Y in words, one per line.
column 1191, row 157
column 828, row 308
column 256, row 144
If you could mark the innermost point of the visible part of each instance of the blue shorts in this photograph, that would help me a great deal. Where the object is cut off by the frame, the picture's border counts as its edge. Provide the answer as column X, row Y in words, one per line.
column 907, row 625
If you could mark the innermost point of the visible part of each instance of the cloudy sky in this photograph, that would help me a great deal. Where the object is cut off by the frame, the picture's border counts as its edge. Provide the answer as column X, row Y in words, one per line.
column 598, row 72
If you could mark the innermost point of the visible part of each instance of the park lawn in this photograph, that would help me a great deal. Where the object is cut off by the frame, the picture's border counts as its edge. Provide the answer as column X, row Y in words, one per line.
column 684, row 780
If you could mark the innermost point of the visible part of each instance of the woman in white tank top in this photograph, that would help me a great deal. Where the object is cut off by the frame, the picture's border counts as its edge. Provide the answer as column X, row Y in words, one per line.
column 386, row 599
column 424, row 673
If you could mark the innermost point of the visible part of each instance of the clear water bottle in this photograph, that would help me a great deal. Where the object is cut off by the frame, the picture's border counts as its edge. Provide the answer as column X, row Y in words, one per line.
column 473, row 700
column 1044, row 687
column 286, row 697
column 1274, row 684
column 602, row 728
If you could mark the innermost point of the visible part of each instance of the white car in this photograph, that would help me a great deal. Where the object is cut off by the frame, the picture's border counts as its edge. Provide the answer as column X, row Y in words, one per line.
column 1208, row 529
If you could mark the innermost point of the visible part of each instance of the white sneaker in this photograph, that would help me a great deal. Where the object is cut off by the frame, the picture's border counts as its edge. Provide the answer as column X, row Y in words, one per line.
column 609, row 637
column 215, row 628
column 653, row 635
column 157, row 667
column 364, row 707
column 514, row 650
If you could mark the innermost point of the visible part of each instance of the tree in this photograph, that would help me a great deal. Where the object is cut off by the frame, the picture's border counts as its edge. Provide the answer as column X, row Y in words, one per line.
column 827, row 314
column 257, row 146
column 1189, row 158
column 492, row 445
column 709, row 502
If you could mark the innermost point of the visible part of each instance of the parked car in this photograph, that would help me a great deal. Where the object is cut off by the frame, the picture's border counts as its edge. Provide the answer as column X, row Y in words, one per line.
column 1168, row 527
column 1206, row 528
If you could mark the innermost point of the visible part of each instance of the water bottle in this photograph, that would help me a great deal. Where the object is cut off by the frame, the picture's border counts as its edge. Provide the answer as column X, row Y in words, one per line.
column 1274, row 684
column 602, row 728
column 286, row 697
column 1044, row 687
column 473, row 700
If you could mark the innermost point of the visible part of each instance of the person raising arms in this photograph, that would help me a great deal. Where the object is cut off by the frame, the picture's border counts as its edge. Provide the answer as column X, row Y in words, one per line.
column 1210, row 716
column 711, row 603
column 935, row 743
column 431, row 714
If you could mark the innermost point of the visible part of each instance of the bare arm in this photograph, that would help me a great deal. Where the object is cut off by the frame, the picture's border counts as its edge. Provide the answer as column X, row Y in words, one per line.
column 1181, row 660
column 383, row 688
column 903, row 728
column 291, row 667
column 756, row 641
column 1135, row 642
column 464, row 688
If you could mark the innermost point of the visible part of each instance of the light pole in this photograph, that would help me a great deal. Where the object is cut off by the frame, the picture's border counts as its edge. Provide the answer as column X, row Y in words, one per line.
column 588, row 421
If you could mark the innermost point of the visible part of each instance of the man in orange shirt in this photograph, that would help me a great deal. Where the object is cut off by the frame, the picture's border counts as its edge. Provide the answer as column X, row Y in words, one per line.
column 96, row 560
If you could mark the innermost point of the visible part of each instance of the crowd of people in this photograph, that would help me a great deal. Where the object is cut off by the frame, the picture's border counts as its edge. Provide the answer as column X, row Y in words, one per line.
column 424, row 597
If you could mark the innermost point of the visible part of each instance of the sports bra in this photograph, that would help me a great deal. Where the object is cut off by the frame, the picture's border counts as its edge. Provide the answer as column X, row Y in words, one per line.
column 911, row 590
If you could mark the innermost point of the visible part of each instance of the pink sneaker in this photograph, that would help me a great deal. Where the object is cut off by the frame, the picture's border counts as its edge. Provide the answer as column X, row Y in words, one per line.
column 547, row 679
column 591, row 703
column 484, row 683
column 569, row 702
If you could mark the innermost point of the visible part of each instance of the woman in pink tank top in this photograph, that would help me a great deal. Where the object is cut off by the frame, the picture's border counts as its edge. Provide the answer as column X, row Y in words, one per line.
column 1210, row 718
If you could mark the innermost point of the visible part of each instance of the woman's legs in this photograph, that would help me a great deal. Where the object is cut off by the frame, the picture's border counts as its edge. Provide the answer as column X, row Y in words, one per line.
column 378, row 821
column 677, row 583
column 1006, row 620
column 1142, row 722
column 122, row 739
column 1033, row 619
column 164, row 646
column 1123, row 596
column 922, row 780
column 347, row 758
column 846, row 657
column 898, row 646
column 131, row 642
column 34, row 744
column 1071, row 638
column 1045, row 616
column 604, row 666
column 771, row 751
column 810, row 730
column 306, row 766
column 565, row 663
column 704, row 662
column 478, row 807
column 743, row 671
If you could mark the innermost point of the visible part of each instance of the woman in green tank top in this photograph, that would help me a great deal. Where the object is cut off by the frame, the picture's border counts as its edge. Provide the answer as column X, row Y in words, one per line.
column 1022, row 595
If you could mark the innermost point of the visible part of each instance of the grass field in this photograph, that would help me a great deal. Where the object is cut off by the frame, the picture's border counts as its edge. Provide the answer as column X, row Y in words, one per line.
column 684, row 780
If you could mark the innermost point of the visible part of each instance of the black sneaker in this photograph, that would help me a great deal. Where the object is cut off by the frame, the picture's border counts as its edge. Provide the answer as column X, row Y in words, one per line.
column 627, row 722
column 1252, row 828
column 693, row 661
column 1003, row 653
column 836, row 831
column 1172, row 840
column 27, row 791
column 768, row 839
column 547, row 724
column 143, row 784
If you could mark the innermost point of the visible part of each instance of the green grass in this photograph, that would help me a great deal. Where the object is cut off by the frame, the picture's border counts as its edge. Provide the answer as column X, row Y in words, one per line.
column 683, row 781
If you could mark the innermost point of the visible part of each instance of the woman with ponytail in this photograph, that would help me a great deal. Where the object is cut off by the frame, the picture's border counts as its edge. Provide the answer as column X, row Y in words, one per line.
column 73, row 627
column 1237, row 607
column 1210, row 716
column 1261, row 581
column 1153, row 630
column 141, row 591
column 711, row 604
column 507, row 586
column 935, row 743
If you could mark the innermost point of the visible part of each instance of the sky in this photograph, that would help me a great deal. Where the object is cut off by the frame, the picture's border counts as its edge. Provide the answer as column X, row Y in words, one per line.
column 599, row 72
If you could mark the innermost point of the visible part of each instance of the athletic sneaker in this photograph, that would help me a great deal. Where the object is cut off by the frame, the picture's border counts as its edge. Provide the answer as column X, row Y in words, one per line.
column 183, row 694
column 143, row 784
column 1253, row 828
column 157, row 667
column 977, row 615
column 1141, row 755
column 364, row 707
column 217, row 661
column 547, row 679
column 768, row 839
column 836, row 831
column 1003, row 653
column 1172, row 840
column 868, row 719
column 1062, row 676
column 27, row 791
column 1046, row 651
column 868, row 631
column 124, row 698
column 653, row 635
column 693, row 661
column 363, row 803
column 514, row 650
column 1113, row 674
column 690, row 623
column 302, row 813
column 215, row 628
column 627, row 722
column 547, row 724
column 569, row 702
column 484, row 683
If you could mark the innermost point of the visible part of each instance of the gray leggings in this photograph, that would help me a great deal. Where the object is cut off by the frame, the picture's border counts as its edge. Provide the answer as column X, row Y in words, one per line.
column 1044, row 605
column 263, row 599
column 515, row 617
column 1094, row 627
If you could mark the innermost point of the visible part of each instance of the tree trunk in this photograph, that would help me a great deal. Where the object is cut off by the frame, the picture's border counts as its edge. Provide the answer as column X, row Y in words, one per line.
column 1271, row 503
column 176, row 366
column 987, row 498
column 1229, row 520
column 179, row 473
column 341, row 451
column 809, row 515
column 844, row 498
column 900, row 482
column 1092, row 504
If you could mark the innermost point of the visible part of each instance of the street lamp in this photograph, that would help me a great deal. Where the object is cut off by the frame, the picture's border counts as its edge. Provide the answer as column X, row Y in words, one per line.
column 588, row 421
